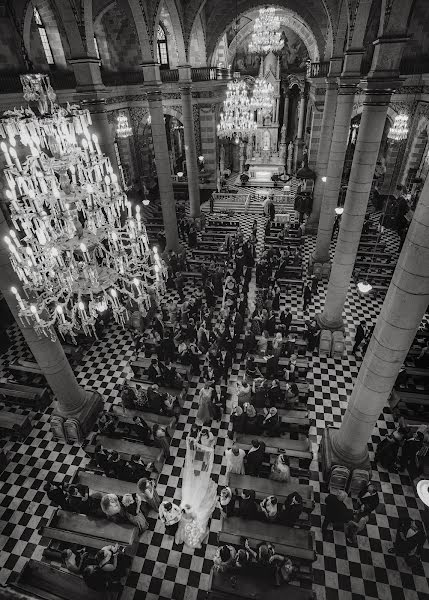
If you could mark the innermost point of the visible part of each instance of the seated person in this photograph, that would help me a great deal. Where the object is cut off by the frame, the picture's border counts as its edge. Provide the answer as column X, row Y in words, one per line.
column 280, row 470
column 75, row 561
column 155, row 372
column 278, row 566
column 101, row 457
column 136, row 469
column 142, row 430
column 251, row 422
column 245, row 556
column 247, row 505
column 111, row 560
column 78, row 498
column 128, row 396
column 269, row 508
column 274, row 393
column 292, row 393
column 107, row 424
column 252, row 370
column 115, row 465
column 56, row 494
column 224, row 559
column 291, row 509
column 171, row 377
column 244, row 393
column 271, row 423
column 162, row 403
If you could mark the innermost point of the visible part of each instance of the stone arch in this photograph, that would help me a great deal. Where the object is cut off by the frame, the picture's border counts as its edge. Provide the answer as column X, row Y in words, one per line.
column 177, row 28
column 197, row 45
column 52, row 30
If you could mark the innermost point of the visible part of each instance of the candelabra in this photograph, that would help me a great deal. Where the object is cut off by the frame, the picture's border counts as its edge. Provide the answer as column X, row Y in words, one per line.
column 237, row 118
column 266, row 35
column 262, row 96
column 77, row 246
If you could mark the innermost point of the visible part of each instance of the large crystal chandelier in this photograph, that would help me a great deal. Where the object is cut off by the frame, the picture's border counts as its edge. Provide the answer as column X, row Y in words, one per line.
column 262, row 96
column 266, row 35
column 237, row 118
column 76, row 247
column 399, row 130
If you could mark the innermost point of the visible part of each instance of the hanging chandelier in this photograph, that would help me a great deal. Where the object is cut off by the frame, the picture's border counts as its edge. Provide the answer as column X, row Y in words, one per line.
column 399, row 130
column 237, row 118
column 266, row 35
column 123, row 129
column 262, row 96
column 76, row 247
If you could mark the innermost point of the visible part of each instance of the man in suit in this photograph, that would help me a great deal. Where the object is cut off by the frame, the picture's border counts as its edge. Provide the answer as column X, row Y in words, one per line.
column 360, row 336
column 306, row 296
column 158, row 325
column 286, row 320
column 409, row 452
column 155, row 371
column 368, row 500
column 142, row 430
column 255, row 457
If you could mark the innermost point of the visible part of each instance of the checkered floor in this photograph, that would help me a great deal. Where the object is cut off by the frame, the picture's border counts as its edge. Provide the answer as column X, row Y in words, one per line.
column 162, row 570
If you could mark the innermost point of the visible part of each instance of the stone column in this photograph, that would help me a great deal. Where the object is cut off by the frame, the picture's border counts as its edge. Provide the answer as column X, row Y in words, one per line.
column 401, row 314
column 75, row 409
column 87, row 73
column 375, row 104
column 154, row 96
column 190, row 148
column 301, row 114
column 242, row 156
column 345, row 100
column 322, row 159
column 286, row 109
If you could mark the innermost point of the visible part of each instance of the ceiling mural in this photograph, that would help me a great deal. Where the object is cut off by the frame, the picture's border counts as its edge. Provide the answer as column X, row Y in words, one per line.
column 293, row 55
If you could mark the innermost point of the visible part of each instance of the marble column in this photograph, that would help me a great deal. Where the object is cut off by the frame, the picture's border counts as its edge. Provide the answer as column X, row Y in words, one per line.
column 75, row 409
column 403, row 309
column 286, row 109
column 329, row 109
column 340, row 134
column 242, row 156
column 190, row 147
column 301, row 114
column 154, row 96
column 375, row 105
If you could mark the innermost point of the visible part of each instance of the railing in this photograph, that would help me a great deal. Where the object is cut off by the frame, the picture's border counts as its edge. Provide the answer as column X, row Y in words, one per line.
column 122, row 78
column 209, row 73
column 169, row 75
column 318, row 69
column 60, row 80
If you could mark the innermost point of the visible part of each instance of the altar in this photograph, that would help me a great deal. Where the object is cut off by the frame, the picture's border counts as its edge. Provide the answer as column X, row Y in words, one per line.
column 263, row 165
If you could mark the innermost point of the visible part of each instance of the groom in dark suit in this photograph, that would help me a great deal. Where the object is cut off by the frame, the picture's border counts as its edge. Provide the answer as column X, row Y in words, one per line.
column 255, row 457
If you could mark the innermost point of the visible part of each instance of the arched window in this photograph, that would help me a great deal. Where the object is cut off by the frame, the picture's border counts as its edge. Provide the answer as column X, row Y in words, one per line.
column 162, row 48
column 43, row 36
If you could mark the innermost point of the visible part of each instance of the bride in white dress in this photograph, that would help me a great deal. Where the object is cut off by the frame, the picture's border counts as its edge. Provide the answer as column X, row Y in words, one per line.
column 199, row 492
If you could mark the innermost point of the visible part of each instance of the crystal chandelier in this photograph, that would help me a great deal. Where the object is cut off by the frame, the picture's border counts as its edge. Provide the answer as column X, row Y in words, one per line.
column 237, row 118
column 123, row 129
column 74, row 247
column 266, row 35
column 399, row 131
column 262, row 96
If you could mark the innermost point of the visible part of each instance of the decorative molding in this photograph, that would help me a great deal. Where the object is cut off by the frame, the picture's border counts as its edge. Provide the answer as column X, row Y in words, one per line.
column 197, row 127
column 171, row 96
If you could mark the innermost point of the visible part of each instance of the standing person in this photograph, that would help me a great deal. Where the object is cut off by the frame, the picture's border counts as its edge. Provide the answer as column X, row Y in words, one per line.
column 255, row 457
column 359, row 336
column 206, row 409
column 410, row 539
column 147, row 491
column 306, row 296
column 234, row 461
column 247, row 505
column 180, row 282
column 409, row 452
column 226, row 502
column 170, row 514
column 314, row 285
column 368, row 500
column 161, row 438
column 336, row 511
column 131, row 504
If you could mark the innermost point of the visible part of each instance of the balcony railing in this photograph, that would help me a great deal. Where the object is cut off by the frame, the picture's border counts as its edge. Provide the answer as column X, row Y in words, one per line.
column 60, row 80
column 210, row 73
column 122, row 78
column 169, row 75
column 318, row 69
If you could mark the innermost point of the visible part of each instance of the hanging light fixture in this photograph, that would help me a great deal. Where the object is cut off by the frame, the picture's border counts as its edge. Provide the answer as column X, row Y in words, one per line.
column 339, row 210
column 266, row 36
column 399, row 130
column 73, row 249
column 237, row 118
column 364, row 287
column 123, row 129
column 262, row 96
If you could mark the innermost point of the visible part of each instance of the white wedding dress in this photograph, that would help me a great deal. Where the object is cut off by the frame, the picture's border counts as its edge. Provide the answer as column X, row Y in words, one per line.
column 199, row 494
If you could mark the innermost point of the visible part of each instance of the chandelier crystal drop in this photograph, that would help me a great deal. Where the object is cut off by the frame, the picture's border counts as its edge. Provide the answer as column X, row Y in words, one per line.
column 399, row 130
column 266, row 36
column 123, row 129
column 237, row 118
column 262, row 96
column 76, row 246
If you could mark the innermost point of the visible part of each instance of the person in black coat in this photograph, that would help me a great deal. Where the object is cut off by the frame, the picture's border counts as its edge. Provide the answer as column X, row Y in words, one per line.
column 291, row 509
column 158, row 325
column 336, row 511
column 155, row 372
column 55, row 493
column 142, row 430
column 226, row 361
column 254, row 458
column 286, row 320
column 306, row 296
column 247, row 506
column 360, row 336
column 368, row 500
column 409, row 451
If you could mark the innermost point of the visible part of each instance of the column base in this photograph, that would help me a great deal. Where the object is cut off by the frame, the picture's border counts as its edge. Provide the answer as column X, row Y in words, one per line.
column 76, row 428
column 321, row 269
column 330, row 457
column 324, row 324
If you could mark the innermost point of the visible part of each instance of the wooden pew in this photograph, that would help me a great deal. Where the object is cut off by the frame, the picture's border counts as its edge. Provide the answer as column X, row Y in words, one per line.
column 191, row 275
column 421, row 400
column 217, row 255
column 179, row 394
column 295, row 448
column 17, row 425
column 25, row 369
column 103, row 484
column 141, row 366
column 126, row 416
column 250, row 584
column 267, row 487
column 94, row 532
column 369, row 246
column 39, row 580
column 289, row 541
column 126, row 449
column 417, row 373
column 301, row 363
column 383, row 267
column 370, row 256
column 24, row 395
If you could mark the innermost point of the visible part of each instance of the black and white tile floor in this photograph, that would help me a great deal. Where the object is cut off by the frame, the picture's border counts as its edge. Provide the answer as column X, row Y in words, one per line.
column 161, row 570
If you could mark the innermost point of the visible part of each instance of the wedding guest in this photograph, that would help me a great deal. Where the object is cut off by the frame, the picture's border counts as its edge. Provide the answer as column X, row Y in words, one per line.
column 280, row 470
column 245, row 556
column 244, row 392
column 252, row 370
column 255, row 457
column 131, row 504
column 238, row 421
column 353, row 527
column 274, row 393
column 111, row 507
column 336, row 511
column 142, row 430
column 224, row 559
column 247, row 505
column 367, row 501
column 137, row 469
column 162, row 438
column 226, row 502
column 115, row 464
column 271, row 423
column 291, row 509
column 148, row 493
column 235, row 460
column 170, row 514
column 410, row 539
column 55, row 493
column 154, row 372
column 206, row 411
column 269, row 508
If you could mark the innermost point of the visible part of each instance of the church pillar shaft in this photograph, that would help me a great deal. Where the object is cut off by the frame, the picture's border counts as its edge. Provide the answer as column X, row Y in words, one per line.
column 329, row 109
column 286, row 111
column 190, row 147
column 301, row 114
column 401, row 314
column 368, row 142
column 340, row 134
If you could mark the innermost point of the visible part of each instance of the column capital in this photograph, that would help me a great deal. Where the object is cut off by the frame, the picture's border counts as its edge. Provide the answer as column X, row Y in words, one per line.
column 378, row 90
column 347, row 85
column 154, row 94
column 151, row 73
column 185, row 73
column 87, row 73
column 387, row 55
column 335, row 66
column 352, row 62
